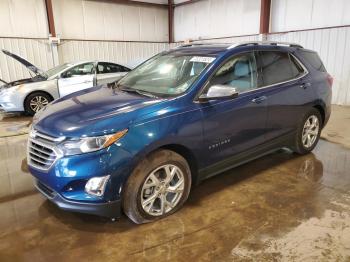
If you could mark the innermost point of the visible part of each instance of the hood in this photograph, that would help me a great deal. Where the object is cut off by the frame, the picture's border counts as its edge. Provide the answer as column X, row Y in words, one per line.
column 3, row 81
column 21, row 81
column 27, row 64
column 92, row 112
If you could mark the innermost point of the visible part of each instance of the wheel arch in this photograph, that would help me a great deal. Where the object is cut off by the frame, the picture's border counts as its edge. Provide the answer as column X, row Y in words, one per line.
column 322, row 112
column 36, row 91
column 188, row 155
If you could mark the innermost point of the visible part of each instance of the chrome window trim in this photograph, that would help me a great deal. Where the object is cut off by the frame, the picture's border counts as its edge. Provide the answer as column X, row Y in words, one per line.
column 306, row 72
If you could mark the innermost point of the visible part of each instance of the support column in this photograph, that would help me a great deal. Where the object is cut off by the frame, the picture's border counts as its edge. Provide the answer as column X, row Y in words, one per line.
column 265, row 10
column 171, row 20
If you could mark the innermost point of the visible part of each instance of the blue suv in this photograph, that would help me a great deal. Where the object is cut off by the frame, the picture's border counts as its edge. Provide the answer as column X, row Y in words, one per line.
column 184, row 115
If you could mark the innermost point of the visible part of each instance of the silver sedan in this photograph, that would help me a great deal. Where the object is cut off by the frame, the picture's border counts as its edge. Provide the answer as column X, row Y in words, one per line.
column 31, row 94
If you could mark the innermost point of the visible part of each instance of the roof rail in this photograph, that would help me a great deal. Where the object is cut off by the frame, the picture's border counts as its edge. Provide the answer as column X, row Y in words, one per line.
column 265, row 43
column 191, row 44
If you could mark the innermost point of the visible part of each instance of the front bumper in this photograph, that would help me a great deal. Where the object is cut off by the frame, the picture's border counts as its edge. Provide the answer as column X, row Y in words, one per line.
column 12, row 102
column 110, row 209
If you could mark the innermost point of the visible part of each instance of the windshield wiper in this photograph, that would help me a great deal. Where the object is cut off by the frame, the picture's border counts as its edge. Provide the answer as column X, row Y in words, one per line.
column 140, row 92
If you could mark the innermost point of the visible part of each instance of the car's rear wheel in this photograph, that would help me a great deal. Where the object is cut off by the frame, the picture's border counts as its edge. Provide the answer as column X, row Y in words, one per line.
column 158, row 187
column 36, row 101
column 308, row 132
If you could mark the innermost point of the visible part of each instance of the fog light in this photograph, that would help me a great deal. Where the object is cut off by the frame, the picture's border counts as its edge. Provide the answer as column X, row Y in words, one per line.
column 96, row 185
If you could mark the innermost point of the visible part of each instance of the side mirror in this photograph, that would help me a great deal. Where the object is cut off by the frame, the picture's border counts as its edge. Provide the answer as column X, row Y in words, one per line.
column 219, row 92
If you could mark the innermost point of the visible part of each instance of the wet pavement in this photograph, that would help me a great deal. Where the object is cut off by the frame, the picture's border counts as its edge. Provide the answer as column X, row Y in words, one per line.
column 14, row 124
column 282, row 207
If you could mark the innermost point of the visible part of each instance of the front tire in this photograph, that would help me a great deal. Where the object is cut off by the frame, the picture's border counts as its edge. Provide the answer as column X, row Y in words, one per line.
column 308, row 132
column 158, row 187
column 36, row 101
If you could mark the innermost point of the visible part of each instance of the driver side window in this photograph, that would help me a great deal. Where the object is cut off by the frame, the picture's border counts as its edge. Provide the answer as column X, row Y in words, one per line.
column 239, row 72
column 79, row 70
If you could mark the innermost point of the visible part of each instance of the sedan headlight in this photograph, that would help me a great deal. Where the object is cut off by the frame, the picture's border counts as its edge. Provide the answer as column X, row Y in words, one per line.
column 90, row 144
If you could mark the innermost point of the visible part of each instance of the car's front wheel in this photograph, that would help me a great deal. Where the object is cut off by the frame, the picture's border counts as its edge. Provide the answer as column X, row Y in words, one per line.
column 308, row 132
column 36, row 101
column 158, row 187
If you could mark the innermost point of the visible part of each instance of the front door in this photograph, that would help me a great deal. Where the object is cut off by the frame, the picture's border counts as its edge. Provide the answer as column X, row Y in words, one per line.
column 76, row 78
column 235, row 125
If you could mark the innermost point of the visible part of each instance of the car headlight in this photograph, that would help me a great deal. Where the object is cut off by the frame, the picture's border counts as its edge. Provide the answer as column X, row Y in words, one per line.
column 96, row 185
column 90, row 144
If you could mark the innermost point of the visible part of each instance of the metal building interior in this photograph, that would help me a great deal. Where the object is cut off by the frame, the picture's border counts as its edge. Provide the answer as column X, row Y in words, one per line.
column 280, row 207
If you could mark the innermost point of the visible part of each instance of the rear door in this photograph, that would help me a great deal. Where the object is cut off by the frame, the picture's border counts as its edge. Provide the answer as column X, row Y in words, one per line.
column 76, row 78
column 109, row 72
column 288, row 88
column 235, row 125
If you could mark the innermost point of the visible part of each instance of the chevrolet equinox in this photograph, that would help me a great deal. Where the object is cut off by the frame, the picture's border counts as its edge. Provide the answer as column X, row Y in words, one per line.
column 180, row 117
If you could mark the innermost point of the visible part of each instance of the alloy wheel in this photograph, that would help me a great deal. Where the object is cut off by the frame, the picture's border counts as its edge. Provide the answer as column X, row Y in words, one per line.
column 310, row 131
column 162, row 190
column 37, row 103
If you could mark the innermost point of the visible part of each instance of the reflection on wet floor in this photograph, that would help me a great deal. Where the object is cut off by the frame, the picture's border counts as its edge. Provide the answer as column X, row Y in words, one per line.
column 14, row 125
column 252, row 212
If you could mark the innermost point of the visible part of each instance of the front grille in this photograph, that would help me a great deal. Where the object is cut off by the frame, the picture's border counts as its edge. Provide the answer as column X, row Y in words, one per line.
column 48, row 192
column 41, row 150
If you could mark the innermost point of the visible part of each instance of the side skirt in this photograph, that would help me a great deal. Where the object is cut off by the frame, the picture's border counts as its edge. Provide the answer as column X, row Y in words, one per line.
column 246, row 156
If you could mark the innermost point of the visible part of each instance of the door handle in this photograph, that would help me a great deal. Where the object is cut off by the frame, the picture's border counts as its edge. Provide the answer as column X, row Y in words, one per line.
column 305, row 85
column 259, row 99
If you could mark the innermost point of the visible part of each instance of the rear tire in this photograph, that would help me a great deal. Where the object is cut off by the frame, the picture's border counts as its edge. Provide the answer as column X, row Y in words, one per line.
column 158, row 187
column 36, row 101
column 308, row 132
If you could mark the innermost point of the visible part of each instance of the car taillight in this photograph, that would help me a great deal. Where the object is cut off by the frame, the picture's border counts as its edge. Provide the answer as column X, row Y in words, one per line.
column 330, row 80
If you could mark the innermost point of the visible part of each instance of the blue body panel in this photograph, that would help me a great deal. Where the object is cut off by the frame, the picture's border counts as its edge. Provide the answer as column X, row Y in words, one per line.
column 211, row 132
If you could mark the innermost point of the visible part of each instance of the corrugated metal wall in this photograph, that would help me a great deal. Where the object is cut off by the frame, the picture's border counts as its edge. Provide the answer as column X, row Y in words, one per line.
column 333, row 48
column 216, row 18
column 38, row 51
column 23, row 18
column 191, row 21
column 127, row 53
column 289, row 15
column 102, row 20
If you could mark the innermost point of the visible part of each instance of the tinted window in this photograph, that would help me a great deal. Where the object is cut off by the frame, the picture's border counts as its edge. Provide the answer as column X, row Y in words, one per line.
column 83, row 69
column 238, row 72
column 314, row 60
column 276, row 67
column 106, row 68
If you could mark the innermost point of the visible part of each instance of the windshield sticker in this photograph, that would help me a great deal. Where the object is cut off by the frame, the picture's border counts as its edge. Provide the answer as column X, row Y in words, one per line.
column 202, row 59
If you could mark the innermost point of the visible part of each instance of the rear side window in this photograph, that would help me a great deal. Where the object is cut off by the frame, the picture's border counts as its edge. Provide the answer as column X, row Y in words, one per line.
column 106, row 68
column 276, row 67
column 314, row 60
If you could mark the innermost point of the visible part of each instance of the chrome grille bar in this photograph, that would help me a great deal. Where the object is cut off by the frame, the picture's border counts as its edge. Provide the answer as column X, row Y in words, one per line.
column 41, row 151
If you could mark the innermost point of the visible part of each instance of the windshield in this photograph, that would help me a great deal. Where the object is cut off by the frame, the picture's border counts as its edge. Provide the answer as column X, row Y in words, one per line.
column 166, row 75
column 55, row 70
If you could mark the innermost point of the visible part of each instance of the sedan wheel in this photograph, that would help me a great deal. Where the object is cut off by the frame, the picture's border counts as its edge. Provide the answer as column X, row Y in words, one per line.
column 162, row 190
column 38, row 102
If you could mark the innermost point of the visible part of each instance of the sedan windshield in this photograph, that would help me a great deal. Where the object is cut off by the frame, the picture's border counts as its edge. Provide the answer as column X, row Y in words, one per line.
column 55, row 70
column 166, row 75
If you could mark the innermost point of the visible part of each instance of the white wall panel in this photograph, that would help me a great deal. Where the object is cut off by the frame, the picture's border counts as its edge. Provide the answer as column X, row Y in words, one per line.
column 126, row 53
column 287, row 15
column 95, row 20
column 23, row 18
column 216, row 18
column 232, row 40
column 36, row 51
column 332, row 46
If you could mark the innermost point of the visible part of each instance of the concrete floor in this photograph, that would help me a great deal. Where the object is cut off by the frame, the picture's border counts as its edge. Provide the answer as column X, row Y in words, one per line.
column 282, row 207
